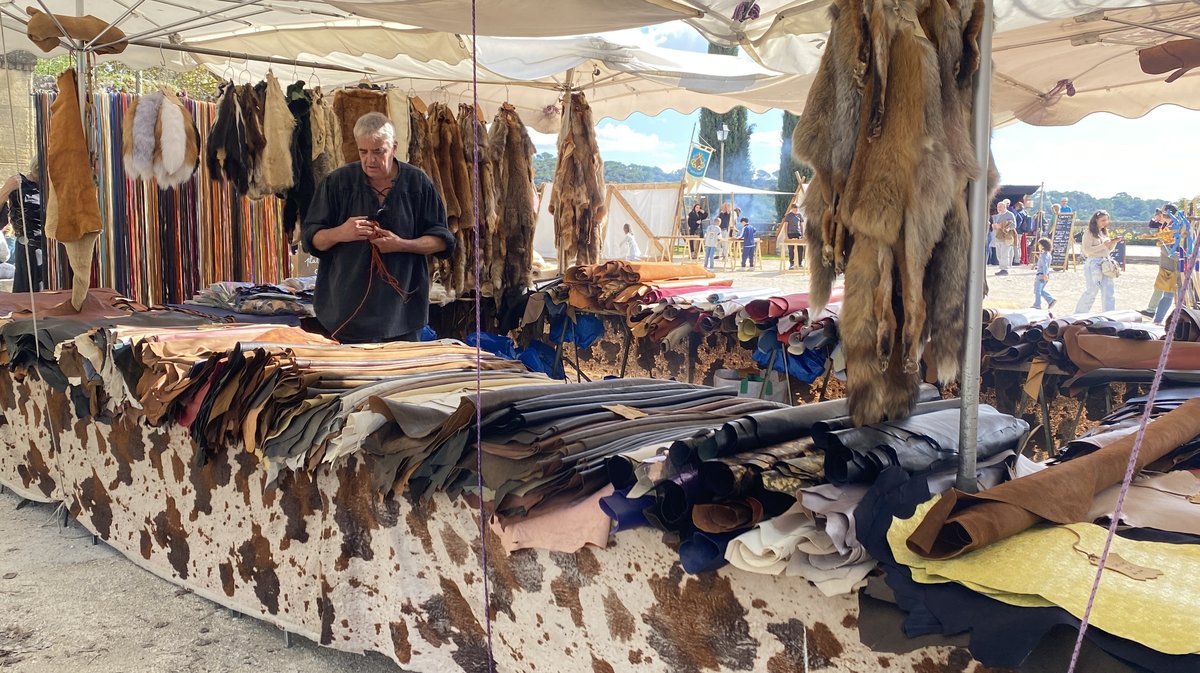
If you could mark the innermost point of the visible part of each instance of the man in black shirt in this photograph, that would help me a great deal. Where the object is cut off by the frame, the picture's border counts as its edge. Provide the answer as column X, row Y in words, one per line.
column 371, row 225
column 794, row 222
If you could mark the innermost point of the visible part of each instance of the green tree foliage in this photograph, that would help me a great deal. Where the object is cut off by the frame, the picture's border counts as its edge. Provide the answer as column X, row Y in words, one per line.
column 1121, row 206
column 738, row 168
column 788, row 166
column 114, row 76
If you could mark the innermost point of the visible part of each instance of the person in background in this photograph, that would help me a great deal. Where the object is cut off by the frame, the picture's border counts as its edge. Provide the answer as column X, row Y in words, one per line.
column 725, row 216
column 630, row 251
column 712, row 240
column 7, row 270
column 1177, row 237
column 1043, row 276
column 794, row 224
column 695, row 224
column 748, row 243
column 1168, row 263
column 1024, row 247
column 21, row 209
column 1064, row 208
column 1004, row 226
column 1097, row 246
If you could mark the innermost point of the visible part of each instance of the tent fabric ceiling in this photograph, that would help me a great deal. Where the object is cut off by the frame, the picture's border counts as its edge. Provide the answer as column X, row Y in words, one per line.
column 524, row 18
column 1038, row 44
column 279, row 29
column 531, row 73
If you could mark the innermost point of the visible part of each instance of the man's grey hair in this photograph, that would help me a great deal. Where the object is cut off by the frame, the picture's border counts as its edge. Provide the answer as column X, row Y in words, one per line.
column 375, row 125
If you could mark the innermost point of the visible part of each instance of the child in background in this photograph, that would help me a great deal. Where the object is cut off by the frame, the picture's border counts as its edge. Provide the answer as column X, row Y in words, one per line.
column 630, row 250
column 1042, row 277
column 712, row 239
column 748, row 243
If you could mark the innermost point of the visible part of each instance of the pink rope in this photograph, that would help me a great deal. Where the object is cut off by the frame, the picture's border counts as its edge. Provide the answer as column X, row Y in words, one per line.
column 1130, row 468
column 478, row 188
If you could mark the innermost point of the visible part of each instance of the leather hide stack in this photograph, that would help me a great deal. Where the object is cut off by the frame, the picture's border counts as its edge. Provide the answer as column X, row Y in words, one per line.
column 578, row 199
column 159, row 140
column 511, row 253
column 887, row 132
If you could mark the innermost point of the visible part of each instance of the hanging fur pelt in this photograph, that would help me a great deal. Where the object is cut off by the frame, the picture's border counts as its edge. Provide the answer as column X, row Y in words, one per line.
column 483, row 191
column 225, row 150
column 348, row 106
column 273, row 174
column 578, row 202
column 327, row 150
column 512, row 154
column 888, row 140
column 421, row 156
column 159, row 140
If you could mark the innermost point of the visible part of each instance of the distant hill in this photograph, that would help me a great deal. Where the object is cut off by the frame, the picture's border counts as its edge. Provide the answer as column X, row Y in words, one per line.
column 1120, row 207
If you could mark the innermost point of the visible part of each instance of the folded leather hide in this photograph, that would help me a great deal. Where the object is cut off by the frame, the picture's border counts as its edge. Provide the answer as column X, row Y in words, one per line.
column 43, row 30
column 1178, row 55
column 961, row 522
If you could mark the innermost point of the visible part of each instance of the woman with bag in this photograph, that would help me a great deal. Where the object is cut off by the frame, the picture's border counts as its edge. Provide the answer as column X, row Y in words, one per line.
column 1100, row 268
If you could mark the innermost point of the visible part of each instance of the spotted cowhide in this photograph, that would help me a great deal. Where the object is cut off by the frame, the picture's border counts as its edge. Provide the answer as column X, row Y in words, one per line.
column 322, row 556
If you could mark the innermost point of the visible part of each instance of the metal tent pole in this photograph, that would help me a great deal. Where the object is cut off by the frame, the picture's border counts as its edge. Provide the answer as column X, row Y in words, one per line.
column 968, row 427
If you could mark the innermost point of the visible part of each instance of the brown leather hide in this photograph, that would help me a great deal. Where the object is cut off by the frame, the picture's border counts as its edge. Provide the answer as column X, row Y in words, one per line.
column 77, row 208
column 1178, row 55
column 348, row 106
column 44, row 32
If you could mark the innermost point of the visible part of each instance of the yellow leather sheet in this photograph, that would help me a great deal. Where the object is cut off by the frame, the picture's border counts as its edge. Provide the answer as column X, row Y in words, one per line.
column 1041, row 566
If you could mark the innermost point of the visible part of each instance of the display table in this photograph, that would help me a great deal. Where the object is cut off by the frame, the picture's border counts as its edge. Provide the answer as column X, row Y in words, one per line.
column 326, row 558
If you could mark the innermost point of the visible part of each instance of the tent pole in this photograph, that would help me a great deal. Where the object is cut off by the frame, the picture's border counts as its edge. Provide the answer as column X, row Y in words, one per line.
column 968, row 427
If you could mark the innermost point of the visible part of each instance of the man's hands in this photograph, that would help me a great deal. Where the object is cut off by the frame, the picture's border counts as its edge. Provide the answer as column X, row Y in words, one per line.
column 357, row 228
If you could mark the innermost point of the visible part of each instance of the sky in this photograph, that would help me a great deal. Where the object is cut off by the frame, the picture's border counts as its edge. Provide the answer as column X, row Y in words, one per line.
column 1101, row 155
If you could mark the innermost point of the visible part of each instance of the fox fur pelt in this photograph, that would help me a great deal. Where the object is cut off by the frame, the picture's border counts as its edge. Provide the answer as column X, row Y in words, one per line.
column 159, row 140
column 512, row 156
column 349, row 105
column 273, row 172
column 887, row 133
column 578, row 201
column 483, row 193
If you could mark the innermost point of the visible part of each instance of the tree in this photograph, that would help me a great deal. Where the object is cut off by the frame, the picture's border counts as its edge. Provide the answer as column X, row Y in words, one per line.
column 198, row 82
column 738, row 169
column 788, row 166
column 544, row 164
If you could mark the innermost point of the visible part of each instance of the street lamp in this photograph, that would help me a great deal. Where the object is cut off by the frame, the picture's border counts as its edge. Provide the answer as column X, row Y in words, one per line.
column 722, row 134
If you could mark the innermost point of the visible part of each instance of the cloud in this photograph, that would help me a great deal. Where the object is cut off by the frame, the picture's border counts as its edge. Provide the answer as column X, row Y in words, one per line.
column 672, row 34
column 766, row 137
column 624, row 138
column 543, row 141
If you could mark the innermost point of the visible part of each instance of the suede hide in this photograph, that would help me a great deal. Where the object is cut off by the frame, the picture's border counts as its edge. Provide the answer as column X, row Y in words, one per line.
column 512, row 155
column 398, row 111
column 43, row 31
column 578, row 200
column 887, row 133
column 349, row 105
column 75, row 207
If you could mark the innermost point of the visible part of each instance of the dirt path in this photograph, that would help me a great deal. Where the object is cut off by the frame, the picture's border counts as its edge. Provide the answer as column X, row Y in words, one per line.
column 66, row 605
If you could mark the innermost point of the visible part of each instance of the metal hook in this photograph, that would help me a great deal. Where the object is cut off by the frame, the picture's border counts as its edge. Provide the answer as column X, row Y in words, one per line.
column 315, row 80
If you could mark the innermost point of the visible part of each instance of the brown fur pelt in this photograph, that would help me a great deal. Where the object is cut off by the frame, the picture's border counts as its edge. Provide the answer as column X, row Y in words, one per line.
column 273, row 173
column 327, row 149
column 578, row 202
column 450, row 157
column 348, row 106
column 420, row 154
column 483, row 190
column 512, row 155
column 252, row 116
column 887, row 135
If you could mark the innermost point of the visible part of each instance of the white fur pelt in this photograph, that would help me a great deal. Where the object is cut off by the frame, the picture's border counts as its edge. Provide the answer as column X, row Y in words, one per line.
column 179, row 144
column 139, row 160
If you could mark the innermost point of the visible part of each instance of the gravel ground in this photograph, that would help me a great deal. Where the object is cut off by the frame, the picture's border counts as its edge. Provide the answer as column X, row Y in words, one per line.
column 66, row 605
column 1133, row 288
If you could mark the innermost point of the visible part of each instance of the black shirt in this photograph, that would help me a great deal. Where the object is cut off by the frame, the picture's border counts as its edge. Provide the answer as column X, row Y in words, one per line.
column 414, row 209
column 723, row 219
column 695, row 218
